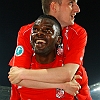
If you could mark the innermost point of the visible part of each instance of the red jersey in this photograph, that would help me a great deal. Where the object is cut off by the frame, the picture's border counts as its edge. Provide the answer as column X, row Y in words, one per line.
column 74, row 42
column 23, row 93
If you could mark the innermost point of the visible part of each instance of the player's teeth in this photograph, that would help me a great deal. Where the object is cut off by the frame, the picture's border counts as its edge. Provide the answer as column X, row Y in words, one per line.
column 40, row 41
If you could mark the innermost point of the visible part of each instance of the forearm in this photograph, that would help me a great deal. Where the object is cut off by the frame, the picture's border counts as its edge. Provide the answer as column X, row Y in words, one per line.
column 68, row 87
column 40, row 85
column 59, row 74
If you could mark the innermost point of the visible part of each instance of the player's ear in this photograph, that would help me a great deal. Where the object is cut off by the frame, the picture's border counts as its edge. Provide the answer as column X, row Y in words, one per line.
column 54, row 6
column 59, row 40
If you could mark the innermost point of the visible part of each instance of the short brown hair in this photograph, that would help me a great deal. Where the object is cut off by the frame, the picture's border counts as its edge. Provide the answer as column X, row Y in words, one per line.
column 46, row 5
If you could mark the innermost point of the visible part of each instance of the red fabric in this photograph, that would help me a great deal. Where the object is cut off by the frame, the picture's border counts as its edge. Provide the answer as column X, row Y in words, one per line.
column 15, row 95
column 23, row 40
column 74, row 41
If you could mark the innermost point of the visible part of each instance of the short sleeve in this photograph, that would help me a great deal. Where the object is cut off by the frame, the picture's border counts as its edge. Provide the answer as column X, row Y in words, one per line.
column 23, row 52
column 74, row 47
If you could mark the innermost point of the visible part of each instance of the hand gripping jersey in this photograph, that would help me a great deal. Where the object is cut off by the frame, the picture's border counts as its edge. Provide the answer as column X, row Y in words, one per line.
column 74, row 42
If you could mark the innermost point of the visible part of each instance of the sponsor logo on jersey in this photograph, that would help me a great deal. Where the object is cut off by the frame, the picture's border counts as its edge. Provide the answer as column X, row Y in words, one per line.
column 19, row 50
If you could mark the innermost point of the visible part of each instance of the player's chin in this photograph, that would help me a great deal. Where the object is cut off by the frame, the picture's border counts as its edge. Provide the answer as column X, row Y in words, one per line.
column 71, row 22
column 41, row 49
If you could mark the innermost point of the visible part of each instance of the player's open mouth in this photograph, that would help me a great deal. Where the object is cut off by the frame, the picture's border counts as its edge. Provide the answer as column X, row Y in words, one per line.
column 40, row 43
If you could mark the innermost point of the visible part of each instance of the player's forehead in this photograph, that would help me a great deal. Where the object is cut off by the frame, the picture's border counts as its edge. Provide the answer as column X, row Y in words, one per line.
column 71, row 0
column 44, row 21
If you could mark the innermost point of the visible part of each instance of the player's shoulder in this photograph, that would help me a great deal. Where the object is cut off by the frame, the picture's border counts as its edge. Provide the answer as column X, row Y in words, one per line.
column 77, row 28
column 26, row 28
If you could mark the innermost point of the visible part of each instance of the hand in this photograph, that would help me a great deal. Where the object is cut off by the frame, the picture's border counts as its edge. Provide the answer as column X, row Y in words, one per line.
column 72, row 87
column 15, row 75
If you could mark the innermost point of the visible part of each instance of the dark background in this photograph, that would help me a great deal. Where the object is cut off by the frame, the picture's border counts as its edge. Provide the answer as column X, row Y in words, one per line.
column 16, row 13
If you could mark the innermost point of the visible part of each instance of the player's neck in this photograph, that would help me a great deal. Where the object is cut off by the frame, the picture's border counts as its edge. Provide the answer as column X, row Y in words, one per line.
column 46, row 59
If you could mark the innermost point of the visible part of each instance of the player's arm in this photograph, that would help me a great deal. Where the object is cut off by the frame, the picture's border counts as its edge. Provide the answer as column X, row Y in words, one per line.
column 52, row 75
column 69, row 87
column 59, row 74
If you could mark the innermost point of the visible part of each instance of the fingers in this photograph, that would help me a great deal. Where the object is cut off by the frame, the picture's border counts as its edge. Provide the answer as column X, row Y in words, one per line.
column 77, row 77
column 75, row 82
column 73, row 88
column 77, row 92
column 12, row 70
column 78, row 87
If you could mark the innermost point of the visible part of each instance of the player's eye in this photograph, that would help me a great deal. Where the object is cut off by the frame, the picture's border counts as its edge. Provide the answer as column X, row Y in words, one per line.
column 47, row 30
column 71, row 3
